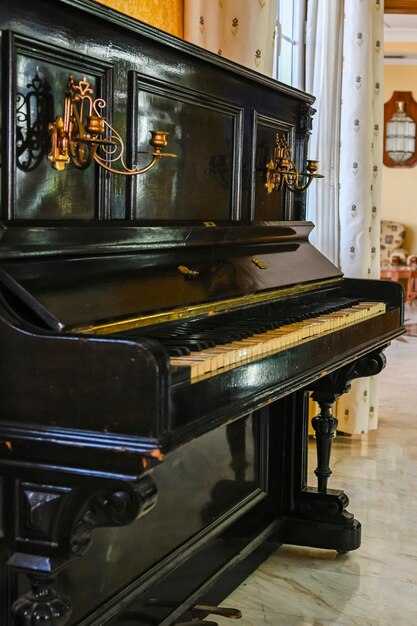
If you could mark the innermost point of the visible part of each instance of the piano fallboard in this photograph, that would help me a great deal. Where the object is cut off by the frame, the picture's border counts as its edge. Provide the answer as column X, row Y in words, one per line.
column 141, row 279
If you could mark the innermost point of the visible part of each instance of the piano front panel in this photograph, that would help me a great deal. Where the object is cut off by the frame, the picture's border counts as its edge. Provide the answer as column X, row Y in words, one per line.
column 41, row 73
column 203, row 182
column 202, row 489
column 147, row 81
column 278, row 204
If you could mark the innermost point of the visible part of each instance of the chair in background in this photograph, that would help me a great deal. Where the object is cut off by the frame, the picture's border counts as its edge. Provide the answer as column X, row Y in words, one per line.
column 392, row 239
column 396, row 263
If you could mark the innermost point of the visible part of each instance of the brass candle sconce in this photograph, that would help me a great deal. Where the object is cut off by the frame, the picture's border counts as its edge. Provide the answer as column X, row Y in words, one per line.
column 400, row 130
column 83, row 135
column 281, row 170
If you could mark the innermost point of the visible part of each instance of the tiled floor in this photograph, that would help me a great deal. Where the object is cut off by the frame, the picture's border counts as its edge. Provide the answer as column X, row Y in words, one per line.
column 377, row 584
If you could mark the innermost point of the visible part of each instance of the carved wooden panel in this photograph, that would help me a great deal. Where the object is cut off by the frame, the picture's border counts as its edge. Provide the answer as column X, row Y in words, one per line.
column 277, row 204
column 40, row 508
column 203, row 181
column 37, row 75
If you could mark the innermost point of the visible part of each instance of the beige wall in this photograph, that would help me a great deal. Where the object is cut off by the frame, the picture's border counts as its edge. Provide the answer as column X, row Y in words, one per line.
column 164, row 14
column 399, row 186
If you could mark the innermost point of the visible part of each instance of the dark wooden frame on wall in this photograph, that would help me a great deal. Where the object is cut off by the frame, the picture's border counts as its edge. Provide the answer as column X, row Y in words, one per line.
column 389, row 110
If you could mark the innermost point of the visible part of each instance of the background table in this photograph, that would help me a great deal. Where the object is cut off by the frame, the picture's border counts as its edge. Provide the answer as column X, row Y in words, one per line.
column 406, row 274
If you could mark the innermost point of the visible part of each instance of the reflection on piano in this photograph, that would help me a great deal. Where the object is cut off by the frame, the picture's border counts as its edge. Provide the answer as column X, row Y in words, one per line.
column 156, row 366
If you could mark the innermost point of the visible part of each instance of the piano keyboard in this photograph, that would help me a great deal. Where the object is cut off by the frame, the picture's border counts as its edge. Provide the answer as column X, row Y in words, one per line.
column 219, row 356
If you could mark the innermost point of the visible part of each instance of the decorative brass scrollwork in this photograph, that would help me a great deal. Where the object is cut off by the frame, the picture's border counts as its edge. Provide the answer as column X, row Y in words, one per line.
column 83, row 135
column 33, row 107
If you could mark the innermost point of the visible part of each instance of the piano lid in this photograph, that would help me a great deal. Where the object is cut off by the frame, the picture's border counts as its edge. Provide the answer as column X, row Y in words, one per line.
column 105, row 293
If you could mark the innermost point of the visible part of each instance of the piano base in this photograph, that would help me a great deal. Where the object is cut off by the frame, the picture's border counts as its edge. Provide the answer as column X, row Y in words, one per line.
column 208, row 523
column 209, row 577
column 320, row 534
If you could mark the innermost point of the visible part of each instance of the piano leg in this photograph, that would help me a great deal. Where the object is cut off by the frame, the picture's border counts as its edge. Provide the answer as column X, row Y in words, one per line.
column 42, row 604
column 318, row 516
column 65, row 517
column 326, row 391
column 324, row 425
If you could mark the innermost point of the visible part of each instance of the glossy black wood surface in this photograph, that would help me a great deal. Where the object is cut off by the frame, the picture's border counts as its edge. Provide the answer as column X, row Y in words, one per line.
column 206, row 485
column 128, row 494
column 31, row 239
column 68, row 294
column 215, row 111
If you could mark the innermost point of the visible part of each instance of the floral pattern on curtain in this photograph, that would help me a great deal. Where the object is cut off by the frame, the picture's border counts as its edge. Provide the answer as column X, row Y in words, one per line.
column 347, row 138
column 360, row 175
column 241, row 31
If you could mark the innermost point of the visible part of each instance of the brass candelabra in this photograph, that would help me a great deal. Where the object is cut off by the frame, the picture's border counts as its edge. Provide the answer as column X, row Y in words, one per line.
column 83, row 135
column 281, row 170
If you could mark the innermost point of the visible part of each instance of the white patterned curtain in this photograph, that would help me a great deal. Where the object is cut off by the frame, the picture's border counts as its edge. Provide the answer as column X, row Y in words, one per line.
column 324, row 41
column 360, row 175
column 361, row 122
column 241, row 31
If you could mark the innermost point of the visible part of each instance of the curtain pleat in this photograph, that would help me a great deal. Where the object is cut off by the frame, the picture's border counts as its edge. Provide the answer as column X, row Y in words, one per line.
column 361, row 166
column 324, row 39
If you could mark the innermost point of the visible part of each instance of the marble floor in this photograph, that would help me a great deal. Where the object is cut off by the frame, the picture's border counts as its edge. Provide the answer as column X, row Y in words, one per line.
column 377, row 584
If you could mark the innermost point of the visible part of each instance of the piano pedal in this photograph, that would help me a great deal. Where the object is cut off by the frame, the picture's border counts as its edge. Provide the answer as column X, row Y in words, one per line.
column 222, row 611
column 198, row 609
column 194, row 622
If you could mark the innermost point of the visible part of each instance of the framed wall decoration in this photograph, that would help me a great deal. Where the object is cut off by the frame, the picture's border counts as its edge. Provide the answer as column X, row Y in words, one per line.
column 400, row 117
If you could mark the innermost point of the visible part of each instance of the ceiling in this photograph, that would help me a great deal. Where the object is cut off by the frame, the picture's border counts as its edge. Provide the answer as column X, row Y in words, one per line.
column 400, row 27
column 400, row 20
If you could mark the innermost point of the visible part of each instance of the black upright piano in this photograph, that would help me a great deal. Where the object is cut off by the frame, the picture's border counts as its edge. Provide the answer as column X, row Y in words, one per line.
column 160, row 333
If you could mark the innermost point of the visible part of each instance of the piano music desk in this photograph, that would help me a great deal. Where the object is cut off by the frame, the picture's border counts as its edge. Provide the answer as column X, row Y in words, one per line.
column 402, row 274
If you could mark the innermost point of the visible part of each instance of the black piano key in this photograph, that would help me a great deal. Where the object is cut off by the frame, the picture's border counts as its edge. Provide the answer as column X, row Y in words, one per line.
column 221, row 339
column 228, row 334
column 191, row 344
column 177, row 351
column 257, row 326
column 197, row 335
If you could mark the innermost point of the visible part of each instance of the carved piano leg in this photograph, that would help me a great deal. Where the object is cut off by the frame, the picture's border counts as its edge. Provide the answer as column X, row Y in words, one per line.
column 326, row 391
column 65, row 517
column 324, row 425
column 318, row 516
column 42, row 605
